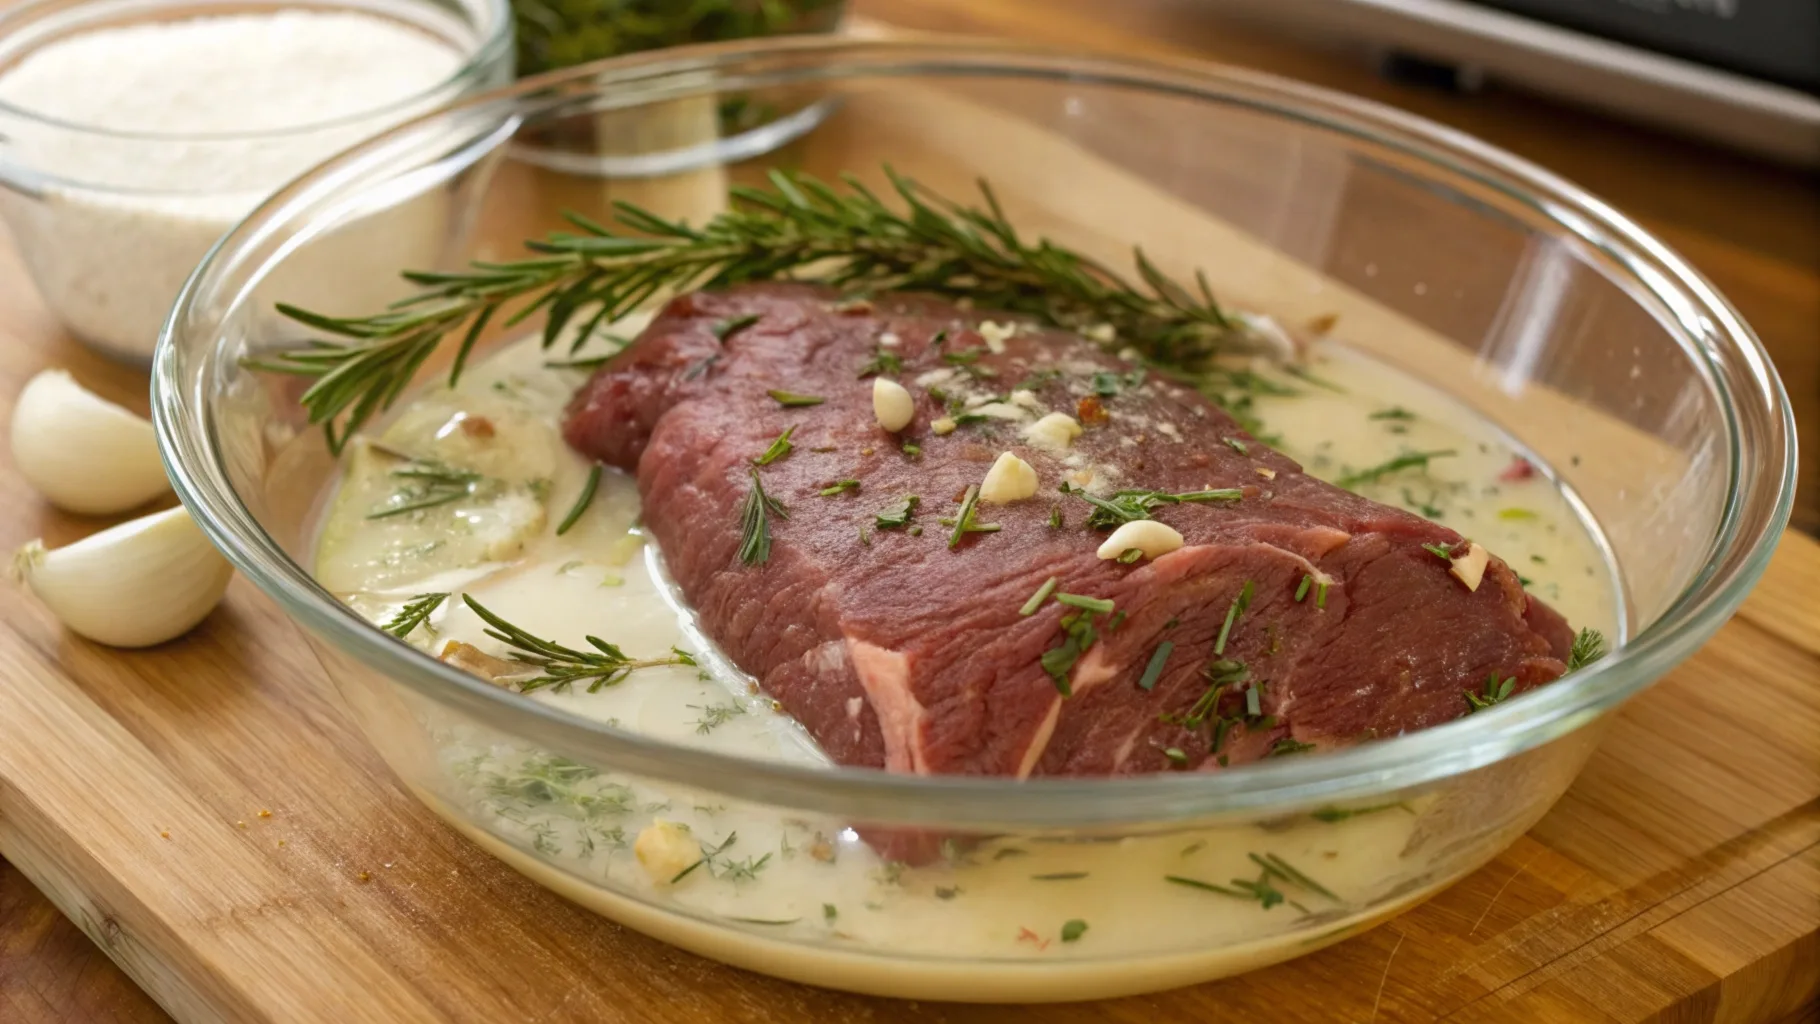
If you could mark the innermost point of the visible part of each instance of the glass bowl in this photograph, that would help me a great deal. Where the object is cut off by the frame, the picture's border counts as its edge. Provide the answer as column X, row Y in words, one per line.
column 111, row 218
column 1551, row 315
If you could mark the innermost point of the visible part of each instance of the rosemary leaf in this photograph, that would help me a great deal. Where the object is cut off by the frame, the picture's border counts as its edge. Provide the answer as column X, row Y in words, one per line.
column 755, row 523
column 415, row 613
column 560, row 667
column 582, row 501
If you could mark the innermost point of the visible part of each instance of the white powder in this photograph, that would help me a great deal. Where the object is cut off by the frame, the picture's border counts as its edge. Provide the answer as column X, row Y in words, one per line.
column 122, row 220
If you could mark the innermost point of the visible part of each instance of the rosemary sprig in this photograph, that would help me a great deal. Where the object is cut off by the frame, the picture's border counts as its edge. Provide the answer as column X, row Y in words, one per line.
column 1130, row 506
column 779, row 448
column 1588, row 647
column 560, row 667
column 415, row 613
column 755, row 523
column 426, row 485
column 1495, row 692
column 800, row 228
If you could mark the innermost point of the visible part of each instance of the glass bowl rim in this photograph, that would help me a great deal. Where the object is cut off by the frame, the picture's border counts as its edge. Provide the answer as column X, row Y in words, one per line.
column 186, row 440
column 487, row 50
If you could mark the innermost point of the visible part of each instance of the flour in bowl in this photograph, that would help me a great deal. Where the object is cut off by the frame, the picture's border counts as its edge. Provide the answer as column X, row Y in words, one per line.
column 128, row 150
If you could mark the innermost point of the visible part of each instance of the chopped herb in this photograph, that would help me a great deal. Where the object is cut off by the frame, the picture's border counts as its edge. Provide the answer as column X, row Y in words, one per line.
column 1301, row 589
column 1226, row 671
column 1195, row 883
column 415, row 613
column 966, row 358
column 947, row 892
column 766, row 920
column 1154, row 670
column 1423, row 507
column 1538, row 559
column 970, row 418
column 714, row 715
column 1060, row 876
column 1130, row 556
column 1273, row 864
column 897, row 515
column 937, row 339
column 1055, row 518
column 829, row 912
column 1106, row 385
column 1395, row 412
column 1132, row 505
column 1407, row 460
column 1333, row 814
column 1303, row 373
column 589, row 363
column 1098, row 605
column 1517, row 514
column 1037, row 599
column 1239, row 604
column 839, row 487
column 700, row 367
column 1523, row 581
column 1175, row 755
column 912, row 451
column 1494, row 693
column 1445, row 554
column 1254, row 702
column 582, row 501
column 1588, row 647
column 560, row 666
column 964, row 522
column 1237, row 445
column 1009, row 851
column 779, row 448
column 1078, row 637
column 755, row 523
column 723, row 328
column 1073, row 930
column 427, row 485
column 1220, row 729
column 1285, row 745
column 792, row 400
column 1320, row 595
column 883, row 361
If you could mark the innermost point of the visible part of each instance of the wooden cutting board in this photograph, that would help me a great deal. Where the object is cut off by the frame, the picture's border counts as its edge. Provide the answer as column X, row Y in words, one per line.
column 207, row 813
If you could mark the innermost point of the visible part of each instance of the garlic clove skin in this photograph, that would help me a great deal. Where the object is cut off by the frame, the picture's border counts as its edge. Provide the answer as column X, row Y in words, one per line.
column 137, row 584
column 82, row 452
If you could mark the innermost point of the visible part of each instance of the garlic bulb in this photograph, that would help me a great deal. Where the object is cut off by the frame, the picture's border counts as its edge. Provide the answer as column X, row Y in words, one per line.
column 140, row 583
column 81, row 451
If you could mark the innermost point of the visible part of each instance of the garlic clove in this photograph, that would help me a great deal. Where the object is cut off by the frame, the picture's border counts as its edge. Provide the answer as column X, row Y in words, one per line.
column 892, row 404
column 137, row 584
column 1010, row 479
column 82, row 452
column 1148, row 536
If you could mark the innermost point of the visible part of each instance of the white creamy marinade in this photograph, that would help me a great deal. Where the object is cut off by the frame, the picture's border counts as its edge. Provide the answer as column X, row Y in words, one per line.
column 766, row 874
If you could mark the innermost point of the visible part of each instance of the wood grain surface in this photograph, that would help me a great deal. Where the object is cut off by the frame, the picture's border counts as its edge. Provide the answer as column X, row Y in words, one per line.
column 1633, row 900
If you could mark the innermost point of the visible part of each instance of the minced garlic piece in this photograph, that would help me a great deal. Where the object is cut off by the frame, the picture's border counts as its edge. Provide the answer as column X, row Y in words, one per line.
column 1054, row 432
column 1470, row 567
column 1152, row 538
column 996, row 334
column 892, row 404
column 1010, row 479
column 665, row 849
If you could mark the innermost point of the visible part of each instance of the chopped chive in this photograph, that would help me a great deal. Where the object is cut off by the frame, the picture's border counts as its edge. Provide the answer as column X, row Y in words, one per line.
column 1055, row 518
column 723, row 328
column 829, row 912
column 964, row 524
column 1285, row 745
column 1060, row 876
column 966, row 358
column 1130, row 556
column 1195, row 883
column 765, row 920
column 1282, row 867
column 1220, row 729
column 1037, row 599
column 1320, row 595
column 839, row 487
column 1175, row 755
column 779, row 448
column 1301, row 591
column 1408, row 460
column 1519, row 514
column 1093, row 604
column 1237, row 445
column 792, row 400
column 1254, row 702
column 1395, row 412
column 1443, row 553
column 1239, row 604
column 1073, row 930
column 912, row 451
column 1154, row 670
column 582, row 502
